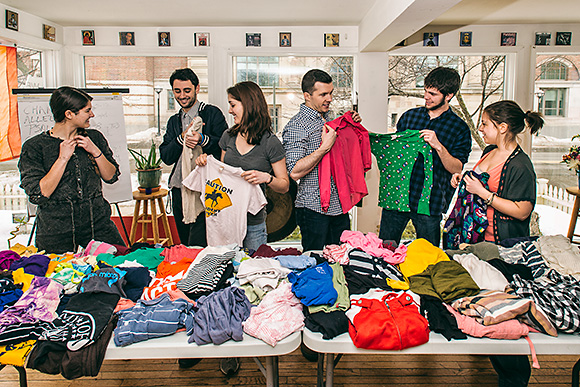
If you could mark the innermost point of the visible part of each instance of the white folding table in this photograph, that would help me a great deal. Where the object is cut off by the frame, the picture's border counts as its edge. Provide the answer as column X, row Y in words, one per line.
column 564, row 344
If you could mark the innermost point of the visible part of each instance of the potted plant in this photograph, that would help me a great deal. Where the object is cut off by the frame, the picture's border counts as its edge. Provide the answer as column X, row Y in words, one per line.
column 148, row 169
column 572, row 158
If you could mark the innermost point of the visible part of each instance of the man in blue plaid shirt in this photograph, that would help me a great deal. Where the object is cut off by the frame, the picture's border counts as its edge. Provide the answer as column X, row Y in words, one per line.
column 307, row 139
column 450, row 138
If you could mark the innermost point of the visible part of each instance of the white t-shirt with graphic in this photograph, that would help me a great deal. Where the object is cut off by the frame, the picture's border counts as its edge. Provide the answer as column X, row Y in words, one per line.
column 227, row 198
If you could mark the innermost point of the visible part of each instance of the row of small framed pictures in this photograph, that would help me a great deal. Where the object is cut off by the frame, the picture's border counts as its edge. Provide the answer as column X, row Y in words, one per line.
column 507, row 39
column 48, row 32
column 201, row 39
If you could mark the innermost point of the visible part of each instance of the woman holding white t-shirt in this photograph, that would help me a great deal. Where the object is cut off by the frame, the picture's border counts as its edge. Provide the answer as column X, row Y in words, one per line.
column 251, row 145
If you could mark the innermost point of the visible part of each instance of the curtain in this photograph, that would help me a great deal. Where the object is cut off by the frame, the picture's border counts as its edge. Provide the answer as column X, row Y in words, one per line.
column 9, row 129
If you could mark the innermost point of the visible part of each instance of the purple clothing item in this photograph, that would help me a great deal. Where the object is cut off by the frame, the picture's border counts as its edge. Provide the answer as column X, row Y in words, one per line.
column 35, row 264
column 219, row 316
column 39, row 302
column 6, row 259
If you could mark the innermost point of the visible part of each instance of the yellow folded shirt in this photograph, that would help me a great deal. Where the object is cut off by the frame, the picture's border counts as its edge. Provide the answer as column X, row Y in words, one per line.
column 420, row 254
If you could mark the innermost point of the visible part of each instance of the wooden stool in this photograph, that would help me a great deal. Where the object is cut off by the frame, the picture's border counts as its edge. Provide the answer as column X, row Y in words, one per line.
column 576, row 192
column 145, row 218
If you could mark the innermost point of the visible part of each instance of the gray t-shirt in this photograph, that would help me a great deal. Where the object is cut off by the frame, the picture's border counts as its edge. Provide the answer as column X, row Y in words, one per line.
column 259, row 158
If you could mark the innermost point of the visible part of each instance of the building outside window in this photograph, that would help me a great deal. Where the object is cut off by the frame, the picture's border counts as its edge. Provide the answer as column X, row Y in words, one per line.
column 553, row 102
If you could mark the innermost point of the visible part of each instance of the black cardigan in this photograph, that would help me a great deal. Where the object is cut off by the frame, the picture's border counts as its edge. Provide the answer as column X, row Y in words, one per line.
column 517, row 183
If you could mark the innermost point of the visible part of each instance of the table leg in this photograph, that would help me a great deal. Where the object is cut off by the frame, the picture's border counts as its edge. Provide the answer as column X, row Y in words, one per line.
column 22, row 376
column 135, row 222
column 320, row 370
column 271, row 379
column 145, row 220
column 154, row 222
column 165, row 223
column 574, row 218
column 576, row 374
column 329, row 369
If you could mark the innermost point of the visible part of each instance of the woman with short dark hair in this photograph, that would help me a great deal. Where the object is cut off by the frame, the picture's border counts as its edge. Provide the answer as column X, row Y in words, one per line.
column 61, row 171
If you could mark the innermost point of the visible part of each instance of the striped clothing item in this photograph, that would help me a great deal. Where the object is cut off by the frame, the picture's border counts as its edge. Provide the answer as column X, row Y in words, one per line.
column 203, row 276
column 558, row 295
column 525, row 253
column 337, row 253
column 491, row 307
column 149, row 319
column 365, row 264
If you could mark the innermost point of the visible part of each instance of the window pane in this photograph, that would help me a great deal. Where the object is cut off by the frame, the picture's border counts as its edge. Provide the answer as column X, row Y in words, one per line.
column 556, row 90
column 29, row 64
column 280, row 78
column 482, row 79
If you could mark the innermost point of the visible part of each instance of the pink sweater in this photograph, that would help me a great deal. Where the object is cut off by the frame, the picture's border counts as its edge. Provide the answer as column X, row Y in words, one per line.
column 347, row 162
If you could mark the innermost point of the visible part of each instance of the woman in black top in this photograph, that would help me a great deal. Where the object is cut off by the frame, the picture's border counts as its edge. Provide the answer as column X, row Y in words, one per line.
column 61, row 171
column 512, row 203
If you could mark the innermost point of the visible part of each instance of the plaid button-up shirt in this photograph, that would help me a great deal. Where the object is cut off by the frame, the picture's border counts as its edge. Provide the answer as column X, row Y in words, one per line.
column 454, row 135
column 302, row 136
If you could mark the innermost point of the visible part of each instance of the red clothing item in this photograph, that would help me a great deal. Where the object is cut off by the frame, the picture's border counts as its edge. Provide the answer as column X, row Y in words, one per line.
column 347, row 162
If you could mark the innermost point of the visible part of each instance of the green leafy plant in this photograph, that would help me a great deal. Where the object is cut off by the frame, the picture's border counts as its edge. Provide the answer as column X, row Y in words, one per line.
column 152, row 161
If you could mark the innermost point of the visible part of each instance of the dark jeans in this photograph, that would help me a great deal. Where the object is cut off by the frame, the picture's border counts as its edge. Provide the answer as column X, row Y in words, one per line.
column 319, row 230
column 512, row 370
column 393, row 224
column 192, row 234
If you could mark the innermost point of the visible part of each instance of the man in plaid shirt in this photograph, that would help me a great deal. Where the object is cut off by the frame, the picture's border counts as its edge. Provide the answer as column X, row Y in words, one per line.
column 307, row 139
column 450, row 138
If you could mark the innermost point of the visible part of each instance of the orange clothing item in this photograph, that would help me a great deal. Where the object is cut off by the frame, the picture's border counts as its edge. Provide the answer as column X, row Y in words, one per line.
column 168, row 275
column 493, row 183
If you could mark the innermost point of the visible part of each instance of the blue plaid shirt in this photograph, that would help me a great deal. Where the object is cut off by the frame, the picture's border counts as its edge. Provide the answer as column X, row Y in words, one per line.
column 302, row 136
column 454, row 135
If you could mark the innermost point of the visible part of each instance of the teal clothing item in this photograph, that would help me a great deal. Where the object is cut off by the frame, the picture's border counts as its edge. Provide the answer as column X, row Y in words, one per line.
column 343, row 300
column 396, row 155
column 150, row 258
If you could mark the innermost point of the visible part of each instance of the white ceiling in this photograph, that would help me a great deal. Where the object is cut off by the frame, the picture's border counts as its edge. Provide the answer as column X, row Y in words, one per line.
column 283, row 13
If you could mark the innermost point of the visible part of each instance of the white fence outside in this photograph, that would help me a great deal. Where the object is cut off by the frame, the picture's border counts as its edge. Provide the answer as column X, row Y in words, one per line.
column 554, row 197
column 12, row 197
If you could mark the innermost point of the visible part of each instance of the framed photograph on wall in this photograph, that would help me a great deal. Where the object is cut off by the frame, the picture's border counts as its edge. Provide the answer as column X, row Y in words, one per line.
column 127, row 38
column 254, row 40
column 285, row 39
column 331, row 40
column 11, row 20
column 49, row 32
column 164, row 39
column 563, row 38
column 201, row 39
column 465, row 39
column 543, row 38
column 508, row 38
column 431, row 39
column 88, row 37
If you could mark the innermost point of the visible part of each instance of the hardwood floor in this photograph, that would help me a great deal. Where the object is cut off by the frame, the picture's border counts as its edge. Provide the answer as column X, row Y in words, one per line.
column 352, row 370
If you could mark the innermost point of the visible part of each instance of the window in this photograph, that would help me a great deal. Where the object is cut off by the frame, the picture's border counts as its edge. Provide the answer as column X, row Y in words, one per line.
column 430, row 62
column 553, row 70
column 280, row 78
column 553, row 102
column 29, row 64
column 170, row 100
column 341, row 71
column 141, row 75
column 275, row 115
column 260, row 69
